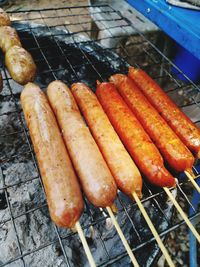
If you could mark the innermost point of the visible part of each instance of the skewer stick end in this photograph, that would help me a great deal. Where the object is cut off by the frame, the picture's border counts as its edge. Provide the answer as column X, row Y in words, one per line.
column 123, row 239
column 98, row 82
column 85, row 244
column 74, row 229
column 182, row 213
column 153, row 230
column 189, row 172
column 114, row 208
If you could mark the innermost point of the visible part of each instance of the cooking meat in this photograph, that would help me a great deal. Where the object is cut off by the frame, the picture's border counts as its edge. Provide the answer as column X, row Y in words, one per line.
column 123, row 169
column 60, row 182
column 187, row 131
column 96, row 179
column 135, row 139
column 171, row 147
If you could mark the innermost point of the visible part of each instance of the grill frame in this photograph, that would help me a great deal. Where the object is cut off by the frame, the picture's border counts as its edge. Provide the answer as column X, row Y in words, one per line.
column 24, row 131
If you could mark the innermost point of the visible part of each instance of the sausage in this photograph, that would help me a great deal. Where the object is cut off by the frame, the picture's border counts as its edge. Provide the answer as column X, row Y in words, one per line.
column 20, row 65
column 123, row 169
column 187, row 131
column 4, row 18
column 176, row 154
column 60, row 182
column 96, row 179
column 135, row 139
column 9, row 38
column 1, row 82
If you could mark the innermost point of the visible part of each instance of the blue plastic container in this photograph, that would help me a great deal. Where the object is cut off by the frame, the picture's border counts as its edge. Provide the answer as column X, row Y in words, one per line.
column 188, row 63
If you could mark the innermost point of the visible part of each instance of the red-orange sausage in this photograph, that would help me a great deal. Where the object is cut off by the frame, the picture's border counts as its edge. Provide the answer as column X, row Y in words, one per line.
column 135, row 139
column 96, row 179
column 123, row 169
column 173, row 150
column 61, row 185
column 187, row 131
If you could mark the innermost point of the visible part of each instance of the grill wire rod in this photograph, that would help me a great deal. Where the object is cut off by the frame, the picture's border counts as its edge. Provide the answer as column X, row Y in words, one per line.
column 123, row 239
column 153, row 230
column 192, row 180
column 154, row 58
column 85, row 244
column 182, row 213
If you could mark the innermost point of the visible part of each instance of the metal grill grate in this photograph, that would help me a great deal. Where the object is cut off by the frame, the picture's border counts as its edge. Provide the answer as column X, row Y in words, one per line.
column 60, row 41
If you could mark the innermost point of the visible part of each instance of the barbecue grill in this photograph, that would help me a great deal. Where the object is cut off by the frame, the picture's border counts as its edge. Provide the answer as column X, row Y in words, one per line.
column 60, row 42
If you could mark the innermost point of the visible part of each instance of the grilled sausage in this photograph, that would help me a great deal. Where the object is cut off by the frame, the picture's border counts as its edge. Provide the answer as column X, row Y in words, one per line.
column 96, row 179
column 187, row 131
column 20, row 65
column 173, row 150
column 4, row 18
column 122, row 167
column 60, row 182
column 1, row 82
column 9, row 38
column 135, row 139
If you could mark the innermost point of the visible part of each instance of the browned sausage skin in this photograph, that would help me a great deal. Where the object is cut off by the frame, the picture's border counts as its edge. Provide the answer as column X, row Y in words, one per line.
column 96, row 179
column 4, row 18
column 20, row 65
column 173, row 150
column 187, row 131
column 9, row 38
column 123, row 169
column 61, row 185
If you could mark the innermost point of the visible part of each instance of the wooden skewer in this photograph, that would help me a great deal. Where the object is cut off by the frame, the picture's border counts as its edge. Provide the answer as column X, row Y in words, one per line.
column 85, row 245
column 123, row 239
column 182, row 213
column 192, row 180
column 153, row 230
column 114, row 208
